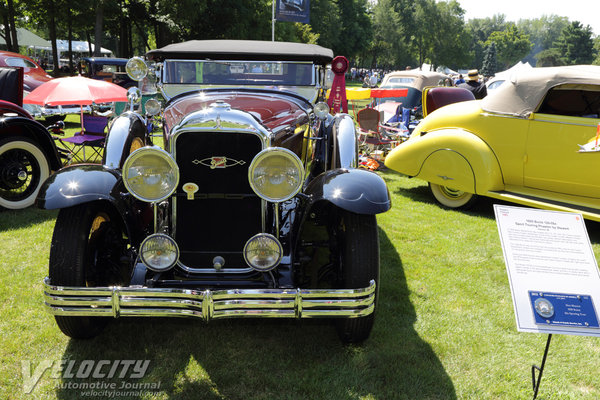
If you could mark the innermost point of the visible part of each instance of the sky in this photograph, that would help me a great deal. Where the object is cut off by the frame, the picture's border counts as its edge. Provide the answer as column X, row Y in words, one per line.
column 585, row 11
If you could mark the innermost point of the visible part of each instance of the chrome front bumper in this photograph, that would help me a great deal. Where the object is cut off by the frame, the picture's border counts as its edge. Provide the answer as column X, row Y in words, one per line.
column 208, row 304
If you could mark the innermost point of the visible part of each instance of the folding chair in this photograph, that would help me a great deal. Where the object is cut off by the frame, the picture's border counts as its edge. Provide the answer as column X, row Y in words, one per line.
column 369, row 136
column 92, row 136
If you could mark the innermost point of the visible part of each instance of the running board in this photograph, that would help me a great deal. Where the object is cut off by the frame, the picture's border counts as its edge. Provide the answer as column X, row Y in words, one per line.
column 531, row 200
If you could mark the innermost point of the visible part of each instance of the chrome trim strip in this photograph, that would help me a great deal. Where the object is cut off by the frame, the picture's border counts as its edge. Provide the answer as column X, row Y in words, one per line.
column 209, row 304
column 563, row 123
column 212, row 270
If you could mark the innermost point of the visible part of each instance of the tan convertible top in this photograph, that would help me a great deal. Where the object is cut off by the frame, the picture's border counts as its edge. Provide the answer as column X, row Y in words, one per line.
column 412, row 78
column 525, row 89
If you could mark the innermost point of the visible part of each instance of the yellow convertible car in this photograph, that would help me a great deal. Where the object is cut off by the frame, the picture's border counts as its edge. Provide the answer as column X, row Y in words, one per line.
column 534, row 141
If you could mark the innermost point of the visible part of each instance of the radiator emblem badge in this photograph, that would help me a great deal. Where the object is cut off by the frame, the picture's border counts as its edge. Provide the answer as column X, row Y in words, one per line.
column 219, row 162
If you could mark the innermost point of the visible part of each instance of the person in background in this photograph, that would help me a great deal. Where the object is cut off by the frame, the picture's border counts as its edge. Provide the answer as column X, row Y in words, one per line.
column 478, row 88
column 459, row 80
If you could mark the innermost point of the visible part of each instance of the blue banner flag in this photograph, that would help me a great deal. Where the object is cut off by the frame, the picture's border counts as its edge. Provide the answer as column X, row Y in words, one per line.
column 293, row 10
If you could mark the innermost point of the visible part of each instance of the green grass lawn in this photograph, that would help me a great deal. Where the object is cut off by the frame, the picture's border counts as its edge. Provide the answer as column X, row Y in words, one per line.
column 445, row 327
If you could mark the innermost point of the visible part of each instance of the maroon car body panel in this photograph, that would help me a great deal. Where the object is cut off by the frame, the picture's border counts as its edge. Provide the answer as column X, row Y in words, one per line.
column 270, row 110
column 34, row 75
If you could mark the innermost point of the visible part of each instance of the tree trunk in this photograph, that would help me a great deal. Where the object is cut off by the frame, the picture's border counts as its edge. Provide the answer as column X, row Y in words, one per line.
column 98, row 30
column 70, row 38
column 52, row 33
column 89, row 40
column 13, row 28
column 6, row 35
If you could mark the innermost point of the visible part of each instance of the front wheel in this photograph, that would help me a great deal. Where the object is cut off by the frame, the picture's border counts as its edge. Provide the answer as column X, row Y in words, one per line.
column 23, row 169
column 452, row 198
column 88, row 249
column 358, row 243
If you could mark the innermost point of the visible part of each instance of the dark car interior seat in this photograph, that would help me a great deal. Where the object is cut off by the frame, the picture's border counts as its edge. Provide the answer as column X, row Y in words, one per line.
column 437, row 97
column 11, row 85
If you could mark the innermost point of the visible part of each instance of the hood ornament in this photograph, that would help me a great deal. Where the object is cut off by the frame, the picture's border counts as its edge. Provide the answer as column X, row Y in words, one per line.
column 219, row 162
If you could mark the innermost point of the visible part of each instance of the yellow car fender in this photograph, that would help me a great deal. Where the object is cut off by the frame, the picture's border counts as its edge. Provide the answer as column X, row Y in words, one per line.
column 450, row 157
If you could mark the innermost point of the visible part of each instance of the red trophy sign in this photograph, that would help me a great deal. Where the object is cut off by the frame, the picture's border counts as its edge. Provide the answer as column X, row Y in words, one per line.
column 337, row 97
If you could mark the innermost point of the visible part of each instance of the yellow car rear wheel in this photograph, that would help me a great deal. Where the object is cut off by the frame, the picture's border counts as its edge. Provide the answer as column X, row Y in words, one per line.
column 452, row 198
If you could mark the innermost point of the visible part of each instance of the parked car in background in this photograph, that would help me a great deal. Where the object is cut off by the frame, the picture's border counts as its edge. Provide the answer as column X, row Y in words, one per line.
column 414, row 81
column 534, row 141
column 106, row 68
column 27, row 151
column 253, row 207
column 34, row 75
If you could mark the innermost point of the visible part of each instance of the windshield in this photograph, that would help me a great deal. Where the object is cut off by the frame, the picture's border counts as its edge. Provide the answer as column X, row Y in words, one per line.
column 402, row 81
column 252, row 73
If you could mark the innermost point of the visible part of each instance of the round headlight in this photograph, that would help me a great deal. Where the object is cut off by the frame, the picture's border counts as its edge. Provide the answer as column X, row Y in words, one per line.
column 159, row 252
column 276, row 174
column 152, row 107
column 136, row 68
column 321, row 110
column 263, row 252
column 150, row 174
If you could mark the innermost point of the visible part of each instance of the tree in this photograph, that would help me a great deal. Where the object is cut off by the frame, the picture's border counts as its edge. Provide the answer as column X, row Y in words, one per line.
column 389, row 47
column 489, row 67
column 543, row 32
column 450, row 41
column 479, row 29
column 511, row 45
column 575, row 44
column 549, row 58
column 98, row 28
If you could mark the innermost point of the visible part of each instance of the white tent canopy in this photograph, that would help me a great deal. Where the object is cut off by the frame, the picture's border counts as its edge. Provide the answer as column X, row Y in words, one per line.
column 78, row 47
column 517, row 67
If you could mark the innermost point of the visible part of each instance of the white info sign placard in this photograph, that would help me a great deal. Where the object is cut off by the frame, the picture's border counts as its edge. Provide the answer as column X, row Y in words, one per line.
column 552, row 271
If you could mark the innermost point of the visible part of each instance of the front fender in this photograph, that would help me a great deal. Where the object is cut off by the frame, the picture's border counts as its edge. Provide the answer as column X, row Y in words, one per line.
column 451, row 157
column 20, row 126
column 80, row 184
column 354, row 190
column 345, row 145
column 120, row 138
column 88, row 183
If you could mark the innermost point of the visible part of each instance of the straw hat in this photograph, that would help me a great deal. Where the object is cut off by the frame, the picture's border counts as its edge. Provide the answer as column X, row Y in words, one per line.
column 473, row 75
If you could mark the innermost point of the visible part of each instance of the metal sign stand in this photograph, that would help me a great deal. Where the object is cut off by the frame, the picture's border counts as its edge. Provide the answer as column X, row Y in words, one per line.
column 536, row 381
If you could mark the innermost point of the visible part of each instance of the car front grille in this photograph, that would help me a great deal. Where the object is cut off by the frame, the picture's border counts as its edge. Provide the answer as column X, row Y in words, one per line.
column 225, row 212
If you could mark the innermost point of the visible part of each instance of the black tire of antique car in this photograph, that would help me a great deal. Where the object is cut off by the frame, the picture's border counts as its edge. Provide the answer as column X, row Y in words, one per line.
column 358, row 242
column 87, row 249
column 23, row 168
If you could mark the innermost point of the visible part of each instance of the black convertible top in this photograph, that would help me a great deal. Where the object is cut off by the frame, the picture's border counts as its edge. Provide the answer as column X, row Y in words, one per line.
column 251, row 50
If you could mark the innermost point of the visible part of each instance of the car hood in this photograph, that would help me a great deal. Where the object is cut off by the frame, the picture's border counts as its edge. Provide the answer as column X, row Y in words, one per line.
column 32, row 81
column 270, row 109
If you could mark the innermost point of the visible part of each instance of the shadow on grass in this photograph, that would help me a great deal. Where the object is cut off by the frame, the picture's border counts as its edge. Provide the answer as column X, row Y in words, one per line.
column 483, row 207
column 15, row 219
column 272, row 359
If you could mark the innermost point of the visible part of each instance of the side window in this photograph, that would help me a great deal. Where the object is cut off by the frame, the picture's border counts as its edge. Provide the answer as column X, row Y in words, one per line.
column 19, row 62
column 575, row 102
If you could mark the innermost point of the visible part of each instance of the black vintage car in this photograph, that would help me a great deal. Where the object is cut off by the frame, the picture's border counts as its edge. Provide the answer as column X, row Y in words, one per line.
column 106, row 68
column 253, row 205
column 27, row 151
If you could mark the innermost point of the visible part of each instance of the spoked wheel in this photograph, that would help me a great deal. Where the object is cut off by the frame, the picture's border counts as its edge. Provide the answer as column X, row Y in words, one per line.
column 452, row 198
column 88, row 246
column 23, row 169
column 358, row 247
